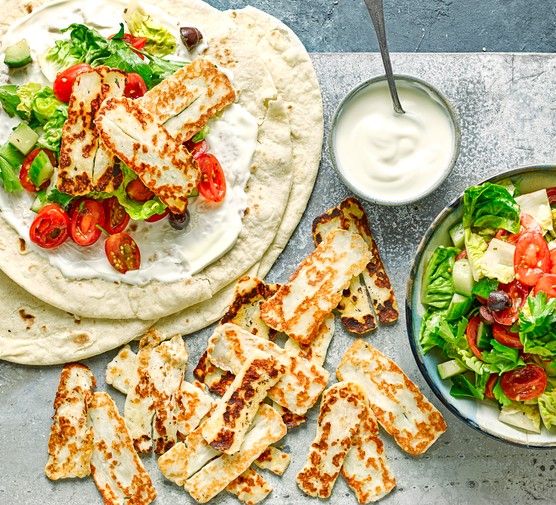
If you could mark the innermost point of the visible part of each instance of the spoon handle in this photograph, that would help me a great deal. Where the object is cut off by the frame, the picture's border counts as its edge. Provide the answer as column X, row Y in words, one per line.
column 376, row 10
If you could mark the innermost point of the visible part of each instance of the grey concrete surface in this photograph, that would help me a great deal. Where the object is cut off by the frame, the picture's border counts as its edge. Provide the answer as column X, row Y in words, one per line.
column 417, row 25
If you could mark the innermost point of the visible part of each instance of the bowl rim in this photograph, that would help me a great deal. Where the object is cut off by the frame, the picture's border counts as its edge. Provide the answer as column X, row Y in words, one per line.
column 444, row 102
column 414, row 339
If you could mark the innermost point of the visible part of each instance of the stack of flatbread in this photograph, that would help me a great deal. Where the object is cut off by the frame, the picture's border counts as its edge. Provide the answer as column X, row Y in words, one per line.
column 53, row 319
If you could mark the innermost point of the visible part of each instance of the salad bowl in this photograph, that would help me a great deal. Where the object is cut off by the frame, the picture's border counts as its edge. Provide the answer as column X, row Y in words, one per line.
column 481, row 415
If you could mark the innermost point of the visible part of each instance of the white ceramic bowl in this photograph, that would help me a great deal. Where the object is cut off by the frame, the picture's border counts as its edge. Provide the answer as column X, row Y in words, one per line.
column 479, row 414
column 436, row 101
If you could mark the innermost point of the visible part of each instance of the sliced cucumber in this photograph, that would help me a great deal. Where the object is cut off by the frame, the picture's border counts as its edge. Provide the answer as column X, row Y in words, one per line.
column 41, row 169
column 463, row 277
column 18, row 55
column 38, row 203
column 23, row 138
column 484, row 335
column 457, row 234
column 450, row 368
column 459, row 306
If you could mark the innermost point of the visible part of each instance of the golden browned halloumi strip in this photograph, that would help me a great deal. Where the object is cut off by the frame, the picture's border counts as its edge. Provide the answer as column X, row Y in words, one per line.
column 317, row 349
column 290, row 419
column 226, row 428
column 315, row 288
column 71, row 440
column 273, row 459
column 300, row 386
column 341, row 410
column 355, row 311
column 163, row 165
column 350, row 215
column 267, row 428
column 216, row 379
column 401, row 409
column 117, row 470
column 245, row 307
column 186, row 100
column 250, row 487
column 122, row 369
column 192, row 404
column 365, row 468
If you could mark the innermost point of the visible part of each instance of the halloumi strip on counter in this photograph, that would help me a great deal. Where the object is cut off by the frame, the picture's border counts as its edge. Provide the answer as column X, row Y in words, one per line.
column 300, row 386
column 355, row 310
column 317, row 349
column 273, row 459
column 216, row 379
column 71, row 439
column 401, row 409
column 117, row 470
column 187, row 99
column 250, row 487
column 120, row 372
column 315, row 288
column 226, row 428
column 267, row 428
column 365, row 468
column 163, row 165
column 350, row 215
column 192, row 404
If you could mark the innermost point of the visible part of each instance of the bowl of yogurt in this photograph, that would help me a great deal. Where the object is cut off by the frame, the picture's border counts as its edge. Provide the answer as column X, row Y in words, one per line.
column 390, row 158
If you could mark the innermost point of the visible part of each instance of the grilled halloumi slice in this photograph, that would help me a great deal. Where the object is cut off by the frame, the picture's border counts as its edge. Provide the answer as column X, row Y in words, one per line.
column 226, row 428
column 401, row 409
column 117, row 470
column 192, row 405
column 315, row 288
column 133, row 134
column 273, row 459
column 350, row 215
column 341, row 410
column 186, row 100
column 216, row 379
column 355, row 310
column 365, row 468
column 122, row 369
column 71, row 439
column 300, row 386
column 290, row 419
column 317, row 349
column 267, row 428
column 250, row 487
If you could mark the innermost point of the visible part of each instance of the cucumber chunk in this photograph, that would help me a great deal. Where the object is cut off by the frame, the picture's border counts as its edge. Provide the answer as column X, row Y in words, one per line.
column 463, row 277
column 457, row 234
column 450, row 368
column 459, row 306
column 484, row 336
column 23, row 138
column 41, row 169
column 18, row 55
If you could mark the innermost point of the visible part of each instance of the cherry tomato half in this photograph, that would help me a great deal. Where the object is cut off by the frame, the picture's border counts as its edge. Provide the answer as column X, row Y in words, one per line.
column 196, row 148
column 24, row 172
column 518, row 294
column 471, row 334
column 524, row 383
column 504, row 336
column 50, row 227
column 531, row 258
column 491, row 382
column 135, row 86
column 547, row 283
column 213, row 181
column 122, row 252
column 157, row 217
column 64, row 80
column 138, row 191
column 86, row 218
column 116, row 216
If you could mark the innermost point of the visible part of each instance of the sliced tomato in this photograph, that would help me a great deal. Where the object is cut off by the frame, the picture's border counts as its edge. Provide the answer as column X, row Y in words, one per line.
column 27, row 162
column 547, row 284
column 138, row 191
column 471, row 334
column 213, row 182
column 524, row 383
column 157, row 217
column 196, row 148
column 504, row 336
column 518, row 293
column 552, row 254
column 50, row 227
column 122, row 252
column 551, row 193
column 86, row 218
column 63, row 83
column 461, row 255
column 491, row 382
column 531, row 258
column 116, row 216
column 135, row 86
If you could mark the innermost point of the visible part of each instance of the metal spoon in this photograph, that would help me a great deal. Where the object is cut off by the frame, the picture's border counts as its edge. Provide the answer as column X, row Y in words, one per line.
column 376, row 10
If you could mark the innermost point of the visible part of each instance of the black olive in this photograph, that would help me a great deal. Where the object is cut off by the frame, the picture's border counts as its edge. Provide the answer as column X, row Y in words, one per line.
column 498, row 300
column 486, row 316
column 179, row 221
column 190, row 36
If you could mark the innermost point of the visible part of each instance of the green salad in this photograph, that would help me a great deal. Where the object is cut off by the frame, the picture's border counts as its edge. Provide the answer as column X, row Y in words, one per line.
column 490, row 300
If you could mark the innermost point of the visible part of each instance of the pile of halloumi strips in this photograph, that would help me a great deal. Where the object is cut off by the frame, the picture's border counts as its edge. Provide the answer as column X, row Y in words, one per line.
column 104, row 128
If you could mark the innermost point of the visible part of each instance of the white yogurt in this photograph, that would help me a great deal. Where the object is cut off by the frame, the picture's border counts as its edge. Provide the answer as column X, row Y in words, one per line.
column 388, row 157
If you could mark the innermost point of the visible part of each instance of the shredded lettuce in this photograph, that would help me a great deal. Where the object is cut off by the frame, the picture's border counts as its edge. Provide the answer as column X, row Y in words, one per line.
column 438, row 285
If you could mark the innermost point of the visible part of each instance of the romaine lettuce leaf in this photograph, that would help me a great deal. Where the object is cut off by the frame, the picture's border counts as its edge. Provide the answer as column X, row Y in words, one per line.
column 537, row 326
column 52, row 129
column 44, row 105
column 547, row 408
column 500, row 395
column 10, row 163
column 476, row 246
column 10, row 100
column 502, row 359
column 462, row 387
column 26, row 94
column 428, row 335
column 438, row 285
